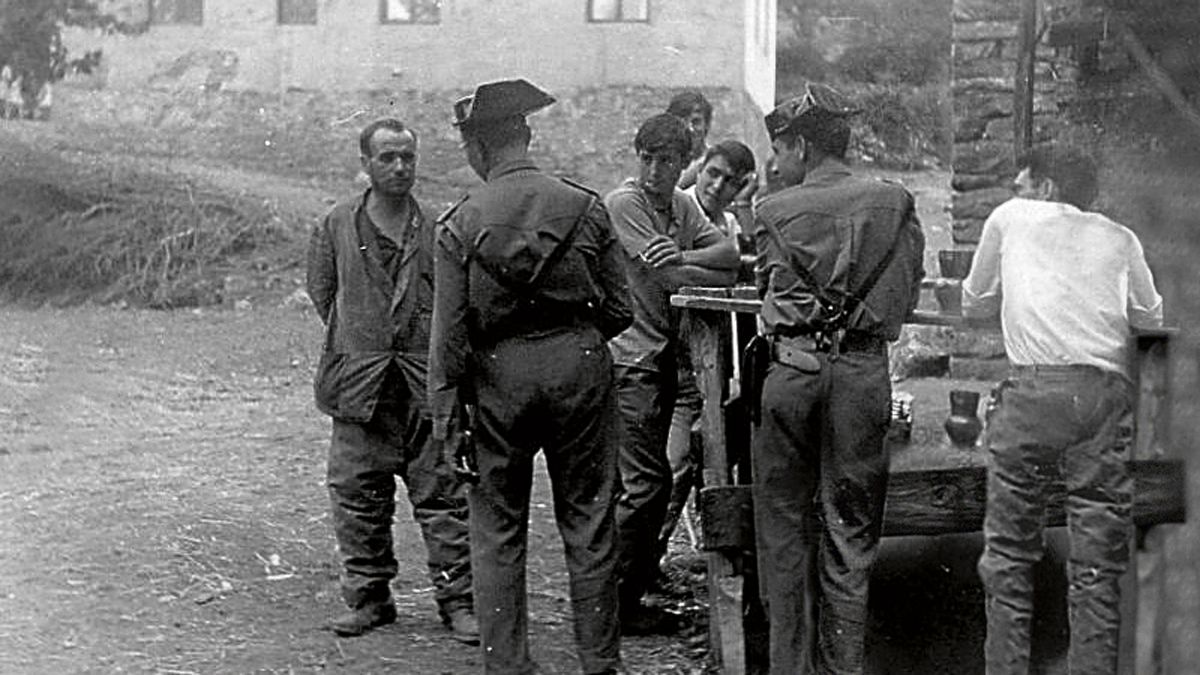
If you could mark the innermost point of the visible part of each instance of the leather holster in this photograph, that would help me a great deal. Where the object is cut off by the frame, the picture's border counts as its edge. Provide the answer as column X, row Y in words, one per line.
column 797, row 352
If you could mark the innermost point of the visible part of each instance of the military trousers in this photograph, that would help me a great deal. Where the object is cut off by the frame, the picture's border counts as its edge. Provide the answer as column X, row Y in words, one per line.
column 1043, row 423
column 552, row 393
column 820, row 471
column 364, row 460
column 647, row 400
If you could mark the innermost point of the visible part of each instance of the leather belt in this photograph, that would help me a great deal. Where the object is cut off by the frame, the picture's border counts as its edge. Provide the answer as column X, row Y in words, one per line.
column 850, row 342
column 796, row 352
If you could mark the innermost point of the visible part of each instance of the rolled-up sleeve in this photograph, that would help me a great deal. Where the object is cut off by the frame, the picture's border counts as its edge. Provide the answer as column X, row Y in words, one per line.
column 981, row 290
column 448, row 346
column 1145, row 306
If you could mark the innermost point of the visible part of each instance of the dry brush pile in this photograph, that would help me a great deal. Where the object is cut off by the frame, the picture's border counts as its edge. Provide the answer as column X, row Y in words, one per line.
column 160, row 244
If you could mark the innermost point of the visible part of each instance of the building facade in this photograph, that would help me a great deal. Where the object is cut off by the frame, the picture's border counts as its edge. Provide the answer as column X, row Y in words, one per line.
column 272, row 45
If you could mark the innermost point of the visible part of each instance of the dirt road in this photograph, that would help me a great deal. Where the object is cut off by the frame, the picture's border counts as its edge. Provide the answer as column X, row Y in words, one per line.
column 163, row 510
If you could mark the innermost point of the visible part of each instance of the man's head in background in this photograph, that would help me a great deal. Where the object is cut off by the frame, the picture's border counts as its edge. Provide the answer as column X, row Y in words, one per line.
column 1057, row 173
column 695, row 110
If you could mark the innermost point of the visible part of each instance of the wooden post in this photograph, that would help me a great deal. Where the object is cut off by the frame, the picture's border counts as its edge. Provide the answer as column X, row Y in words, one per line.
column 726, row 633
column 1023, row 78
column 1141, row 586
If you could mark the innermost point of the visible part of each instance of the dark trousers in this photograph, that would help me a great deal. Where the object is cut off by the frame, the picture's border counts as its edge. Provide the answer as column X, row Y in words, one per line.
column 364, row 460
column 1057, row 422
column 647, row 400
column 820, row 477
column 551, row 393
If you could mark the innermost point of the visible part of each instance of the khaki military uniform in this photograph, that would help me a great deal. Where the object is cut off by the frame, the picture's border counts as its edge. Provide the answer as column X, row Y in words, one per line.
column 521, row 336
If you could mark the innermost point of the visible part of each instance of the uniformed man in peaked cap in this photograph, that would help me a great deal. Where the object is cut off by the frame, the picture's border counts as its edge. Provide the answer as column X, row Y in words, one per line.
column 839, row 266
column 528, row 289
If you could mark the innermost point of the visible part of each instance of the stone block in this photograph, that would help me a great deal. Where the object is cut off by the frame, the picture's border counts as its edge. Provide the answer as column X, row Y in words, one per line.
column 966, row 231
column 983, row 105
column 1001, row 129
column 968, row 368
column 1046, row 76
column 965, row 182
column 986, row 10
column 989, row 85
column 968, row 129
column 1045, row 104
column 975, row 31
column 984, row 67
column 979, row 344
column 968, row 52
column 986, row 157
column 978, row 204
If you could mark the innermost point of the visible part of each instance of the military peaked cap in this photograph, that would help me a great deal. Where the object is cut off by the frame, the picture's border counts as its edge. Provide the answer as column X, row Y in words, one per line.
column 819, row 102
column 497, row 101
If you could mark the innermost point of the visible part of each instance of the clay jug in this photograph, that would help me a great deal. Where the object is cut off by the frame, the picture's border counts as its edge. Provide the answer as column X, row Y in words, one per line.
column 963, row 425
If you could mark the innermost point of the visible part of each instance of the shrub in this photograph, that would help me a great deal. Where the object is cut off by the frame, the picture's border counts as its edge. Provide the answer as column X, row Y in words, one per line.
column 157, row 250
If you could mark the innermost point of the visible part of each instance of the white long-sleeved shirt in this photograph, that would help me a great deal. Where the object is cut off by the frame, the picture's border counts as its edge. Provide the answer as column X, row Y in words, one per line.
column 1068, row 284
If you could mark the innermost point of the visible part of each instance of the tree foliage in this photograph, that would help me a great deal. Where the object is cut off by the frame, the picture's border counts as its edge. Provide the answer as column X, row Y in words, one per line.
column 31, row 33
column 892, row 41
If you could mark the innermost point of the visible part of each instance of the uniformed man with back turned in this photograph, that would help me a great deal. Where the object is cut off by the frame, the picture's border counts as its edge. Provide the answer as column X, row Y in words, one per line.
column 528, row 289
column 839, row 268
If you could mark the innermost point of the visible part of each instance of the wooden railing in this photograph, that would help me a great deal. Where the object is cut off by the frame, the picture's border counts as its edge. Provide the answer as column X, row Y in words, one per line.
column 929, row 501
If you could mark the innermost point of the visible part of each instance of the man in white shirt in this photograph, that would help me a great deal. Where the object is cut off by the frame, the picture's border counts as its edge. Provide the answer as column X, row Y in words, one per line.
column 724, row 186
column 1068, row 286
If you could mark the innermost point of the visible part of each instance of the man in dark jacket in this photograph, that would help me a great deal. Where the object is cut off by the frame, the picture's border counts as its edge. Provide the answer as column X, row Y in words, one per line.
column 839, row 268
column 529, row 288
column 370, row 276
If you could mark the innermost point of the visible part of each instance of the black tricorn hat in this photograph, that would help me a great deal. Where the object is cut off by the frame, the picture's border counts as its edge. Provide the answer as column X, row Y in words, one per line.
column 819, row 103
column 497, row 101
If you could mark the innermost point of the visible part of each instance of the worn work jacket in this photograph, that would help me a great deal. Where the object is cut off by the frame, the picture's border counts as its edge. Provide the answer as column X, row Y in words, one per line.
column 372, row 320
column 496, row 279
column 842, row 226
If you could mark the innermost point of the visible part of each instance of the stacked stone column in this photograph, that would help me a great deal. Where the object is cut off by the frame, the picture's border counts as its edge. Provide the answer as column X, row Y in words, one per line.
column 986, row 46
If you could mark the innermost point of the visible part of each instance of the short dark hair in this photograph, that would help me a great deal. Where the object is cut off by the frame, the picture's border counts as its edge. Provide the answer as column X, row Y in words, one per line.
column 683, row 103
column 664, row 131
column 1071, row 169
column 500, row 133
column 740, row 158
column 368, row 132
column 828, row 133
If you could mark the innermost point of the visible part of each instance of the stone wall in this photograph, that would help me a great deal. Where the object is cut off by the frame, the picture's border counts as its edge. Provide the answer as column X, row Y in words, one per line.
column 986, row 46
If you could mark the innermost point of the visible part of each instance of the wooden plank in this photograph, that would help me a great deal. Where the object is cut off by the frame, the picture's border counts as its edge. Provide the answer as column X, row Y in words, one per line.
column 727, row 518
column 947, row 501
column 744, row 299
column 1141, row 586
column 726, row 633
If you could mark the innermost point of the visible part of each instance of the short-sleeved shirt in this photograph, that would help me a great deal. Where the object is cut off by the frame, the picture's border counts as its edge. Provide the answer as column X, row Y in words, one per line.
column 649, row 343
